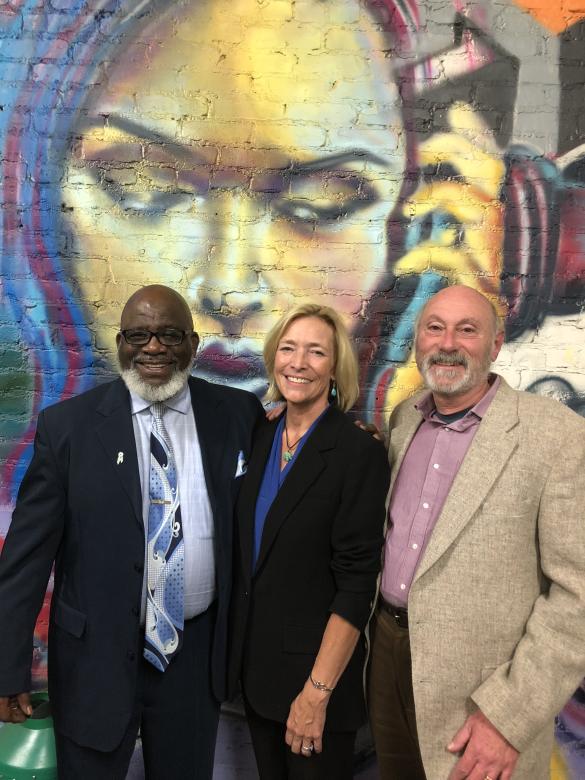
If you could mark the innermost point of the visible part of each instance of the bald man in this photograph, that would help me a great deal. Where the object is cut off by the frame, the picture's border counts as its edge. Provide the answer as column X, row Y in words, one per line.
column 130, row 494
column 479, row 633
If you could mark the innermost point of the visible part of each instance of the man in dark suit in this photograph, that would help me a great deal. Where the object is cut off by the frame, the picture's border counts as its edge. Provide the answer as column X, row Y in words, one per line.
column 104, row 469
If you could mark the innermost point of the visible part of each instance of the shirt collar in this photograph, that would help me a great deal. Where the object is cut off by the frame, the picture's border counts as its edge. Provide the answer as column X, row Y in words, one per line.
column 180, row 402
column 426, row 406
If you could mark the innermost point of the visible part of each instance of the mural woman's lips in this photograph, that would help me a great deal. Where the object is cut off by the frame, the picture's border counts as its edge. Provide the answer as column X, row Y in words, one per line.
column 217, row 360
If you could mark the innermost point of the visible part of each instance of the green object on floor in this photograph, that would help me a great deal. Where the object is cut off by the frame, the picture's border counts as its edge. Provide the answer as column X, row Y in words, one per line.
column 27, row 750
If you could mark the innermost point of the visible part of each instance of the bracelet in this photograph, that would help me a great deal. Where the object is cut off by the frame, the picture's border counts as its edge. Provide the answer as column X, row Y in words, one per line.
column 319, row 685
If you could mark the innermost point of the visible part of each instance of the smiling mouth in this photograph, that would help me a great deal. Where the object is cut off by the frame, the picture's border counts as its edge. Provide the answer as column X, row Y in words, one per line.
column 148, row 366
column 447, row 361
column 297, row 380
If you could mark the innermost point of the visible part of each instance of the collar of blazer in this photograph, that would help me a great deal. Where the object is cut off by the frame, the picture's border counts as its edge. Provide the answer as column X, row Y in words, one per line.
column 491, row 448
column 116, row 434
column 211, row 422
column 305, row 471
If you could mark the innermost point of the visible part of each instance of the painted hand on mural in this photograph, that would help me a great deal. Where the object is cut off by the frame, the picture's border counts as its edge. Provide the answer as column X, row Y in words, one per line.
column 456, row 219
column 462, row 193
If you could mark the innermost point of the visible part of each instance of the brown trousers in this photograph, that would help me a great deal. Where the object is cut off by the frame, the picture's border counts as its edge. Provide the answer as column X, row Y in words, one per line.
column 391, row 701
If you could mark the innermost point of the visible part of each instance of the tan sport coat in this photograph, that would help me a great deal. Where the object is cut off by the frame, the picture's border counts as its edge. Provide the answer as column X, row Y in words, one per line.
column 497, row 605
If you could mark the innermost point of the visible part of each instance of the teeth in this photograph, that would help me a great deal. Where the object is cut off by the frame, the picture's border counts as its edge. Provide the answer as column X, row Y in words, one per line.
column 297, row 379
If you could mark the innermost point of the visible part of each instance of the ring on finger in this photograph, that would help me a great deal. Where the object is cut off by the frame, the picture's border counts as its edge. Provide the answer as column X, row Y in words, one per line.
column 307, row 748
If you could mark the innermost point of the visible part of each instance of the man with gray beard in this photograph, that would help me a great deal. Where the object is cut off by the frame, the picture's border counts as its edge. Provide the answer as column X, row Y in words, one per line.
column 478, row 637
column 130, row 494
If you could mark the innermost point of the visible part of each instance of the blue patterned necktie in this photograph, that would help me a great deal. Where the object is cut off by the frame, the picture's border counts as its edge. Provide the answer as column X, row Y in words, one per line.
column 165, row 555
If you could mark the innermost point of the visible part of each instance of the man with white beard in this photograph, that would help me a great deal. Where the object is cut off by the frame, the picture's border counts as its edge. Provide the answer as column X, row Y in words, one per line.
column 479, row 634
column 130, row 494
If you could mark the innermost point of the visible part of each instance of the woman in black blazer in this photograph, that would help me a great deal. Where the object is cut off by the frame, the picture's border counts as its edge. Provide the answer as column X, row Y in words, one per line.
column 310, row 519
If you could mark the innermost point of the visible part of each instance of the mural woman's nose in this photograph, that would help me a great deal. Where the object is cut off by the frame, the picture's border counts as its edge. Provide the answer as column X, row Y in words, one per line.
column 233, row 282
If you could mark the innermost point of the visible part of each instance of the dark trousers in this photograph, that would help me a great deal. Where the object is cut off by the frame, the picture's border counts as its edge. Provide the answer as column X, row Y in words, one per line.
column 177, row 715
column 391, row 701
column 276, row 761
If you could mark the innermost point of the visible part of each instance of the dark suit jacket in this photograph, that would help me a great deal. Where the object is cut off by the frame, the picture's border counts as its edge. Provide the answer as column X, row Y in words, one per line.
column 81, row 508
column 320, row 553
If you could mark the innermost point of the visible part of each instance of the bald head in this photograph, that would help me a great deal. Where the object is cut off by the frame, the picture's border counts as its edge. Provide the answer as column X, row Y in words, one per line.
column 464, row 298
column 157, row 295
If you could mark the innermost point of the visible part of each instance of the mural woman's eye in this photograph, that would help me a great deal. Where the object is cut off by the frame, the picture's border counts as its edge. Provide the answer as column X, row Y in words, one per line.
column 324, row 199
column 146, row 189
column 141, row 179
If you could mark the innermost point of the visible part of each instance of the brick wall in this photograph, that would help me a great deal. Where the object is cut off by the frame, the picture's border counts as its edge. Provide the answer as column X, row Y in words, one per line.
column 253, row 155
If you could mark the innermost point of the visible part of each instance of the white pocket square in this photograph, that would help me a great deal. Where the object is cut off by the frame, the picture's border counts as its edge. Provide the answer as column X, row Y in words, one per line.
column 242, row 466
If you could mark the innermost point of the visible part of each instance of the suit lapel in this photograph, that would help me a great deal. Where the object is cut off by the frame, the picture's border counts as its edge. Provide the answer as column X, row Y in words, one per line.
column 493, row 444
column 116, row 434
column 210, row 425
column 400, row 438
column 249, row 493
column 306, row 469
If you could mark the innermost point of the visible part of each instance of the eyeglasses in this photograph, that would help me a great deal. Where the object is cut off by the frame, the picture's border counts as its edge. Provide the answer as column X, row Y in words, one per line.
column 169, row 337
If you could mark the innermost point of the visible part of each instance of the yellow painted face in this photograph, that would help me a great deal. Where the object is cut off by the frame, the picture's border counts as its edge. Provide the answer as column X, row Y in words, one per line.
column 250, row 159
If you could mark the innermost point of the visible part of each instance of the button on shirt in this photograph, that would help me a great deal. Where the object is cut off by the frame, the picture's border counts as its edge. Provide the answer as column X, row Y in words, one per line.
column 196, row 515
column 426, row 475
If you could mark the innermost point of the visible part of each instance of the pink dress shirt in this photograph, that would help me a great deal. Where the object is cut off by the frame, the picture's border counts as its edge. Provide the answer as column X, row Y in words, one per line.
column 426, row 474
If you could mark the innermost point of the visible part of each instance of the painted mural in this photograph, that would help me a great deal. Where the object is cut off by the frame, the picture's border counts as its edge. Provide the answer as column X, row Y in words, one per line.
column 255, row 153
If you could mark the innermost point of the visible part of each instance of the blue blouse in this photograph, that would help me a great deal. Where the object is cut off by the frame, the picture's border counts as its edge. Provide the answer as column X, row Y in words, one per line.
column 273, row 478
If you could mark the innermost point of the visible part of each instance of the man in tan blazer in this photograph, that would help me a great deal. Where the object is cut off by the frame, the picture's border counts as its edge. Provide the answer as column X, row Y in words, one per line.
column 479, row 633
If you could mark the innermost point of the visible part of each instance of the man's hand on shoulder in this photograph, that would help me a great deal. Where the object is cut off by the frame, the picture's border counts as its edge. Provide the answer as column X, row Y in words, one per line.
column 275, row 411
column 486, row 752
column 371, row 428
column 16, row 708
column 278, row 409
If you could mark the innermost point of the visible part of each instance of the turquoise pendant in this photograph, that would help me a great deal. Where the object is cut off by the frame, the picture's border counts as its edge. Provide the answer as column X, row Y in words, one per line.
column 287, row 456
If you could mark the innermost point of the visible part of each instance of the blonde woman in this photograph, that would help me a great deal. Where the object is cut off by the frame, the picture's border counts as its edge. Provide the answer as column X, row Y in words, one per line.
column 309, row 534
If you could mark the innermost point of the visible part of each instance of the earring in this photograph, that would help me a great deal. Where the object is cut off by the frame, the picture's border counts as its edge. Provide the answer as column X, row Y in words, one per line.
column 333, row 390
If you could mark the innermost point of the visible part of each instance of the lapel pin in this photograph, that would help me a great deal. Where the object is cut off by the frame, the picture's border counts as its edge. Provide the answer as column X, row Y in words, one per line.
column 120, row 458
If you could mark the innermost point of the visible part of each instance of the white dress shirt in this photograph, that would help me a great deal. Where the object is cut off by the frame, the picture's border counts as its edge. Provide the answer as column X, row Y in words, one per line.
column 196, row 515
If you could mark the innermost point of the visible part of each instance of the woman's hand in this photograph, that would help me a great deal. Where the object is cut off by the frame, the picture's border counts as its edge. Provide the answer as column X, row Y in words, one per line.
column 306, row 720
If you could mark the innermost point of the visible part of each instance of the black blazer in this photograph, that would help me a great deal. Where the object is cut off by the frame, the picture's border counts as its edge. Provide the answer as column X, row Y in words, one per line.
column 320, row 553
column 81, row 508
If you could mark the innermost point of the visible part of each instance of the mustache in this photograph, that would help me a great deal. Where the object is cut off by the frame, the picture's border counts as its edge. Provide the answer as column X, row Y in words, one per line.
column 447, row 359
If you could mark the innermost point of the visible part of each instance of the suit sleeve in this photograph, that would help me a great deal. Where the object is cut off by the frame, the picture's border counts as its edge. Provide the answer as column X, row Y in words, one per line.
column 357, row 535
column 259, row 413
column 27, row 557
column 522, row 696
